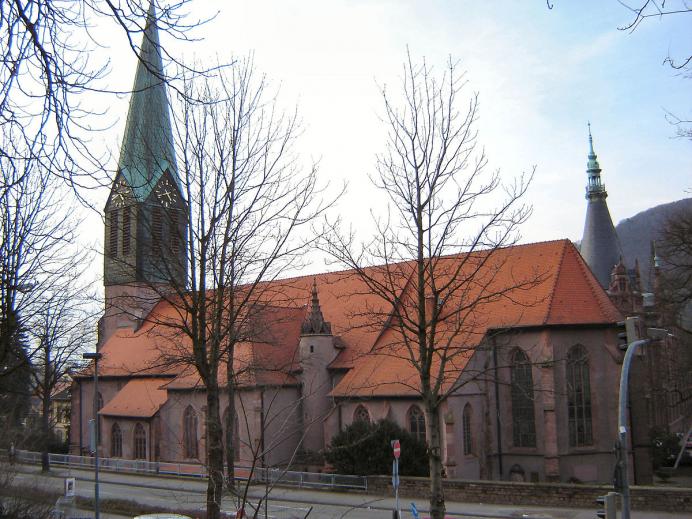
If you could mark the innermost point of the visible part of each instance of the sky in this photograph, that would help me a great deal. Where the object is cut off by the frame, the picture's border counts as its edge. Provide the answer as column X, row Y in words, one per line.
column 541, row 75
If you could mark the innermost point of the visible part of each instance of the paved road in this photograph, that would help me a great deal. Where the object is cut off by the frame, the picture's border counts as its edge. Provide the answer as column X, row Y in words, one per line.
column 189, row 494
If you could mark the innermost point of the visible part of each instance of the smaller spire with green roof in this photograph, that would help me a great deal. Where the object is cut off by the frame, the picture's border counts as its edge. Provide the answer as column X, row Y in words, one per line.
column 594, row 188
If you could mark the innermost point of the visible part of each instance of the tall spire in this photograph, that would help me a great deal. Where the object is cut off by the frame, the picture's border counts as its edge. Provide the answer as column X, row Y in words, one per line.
column 314, row 323
column 147, row 149
column 600, row 246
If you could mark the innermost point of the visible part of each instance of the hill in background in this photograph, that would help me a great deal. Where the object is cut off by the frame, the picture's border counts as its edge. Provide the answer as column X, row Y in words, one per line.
column 637, row 232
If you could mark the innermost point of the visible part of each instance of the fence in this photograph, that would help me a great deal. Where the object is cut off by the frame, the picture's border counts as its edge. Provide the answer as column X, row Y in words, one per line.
column 261, row 475
column 313, row 479
column 269, row 511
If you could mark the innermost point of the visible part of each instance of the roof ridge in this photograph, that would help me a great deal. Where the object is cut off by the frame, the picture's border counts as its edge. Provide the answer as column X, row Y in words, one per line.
column 353, row 272
column 445, row 256
column 554, row 287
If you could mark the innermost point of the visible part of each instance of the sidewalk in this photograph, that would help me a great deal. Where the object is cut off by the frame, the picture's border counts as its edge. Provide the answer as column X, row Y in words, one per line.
column 192, row 491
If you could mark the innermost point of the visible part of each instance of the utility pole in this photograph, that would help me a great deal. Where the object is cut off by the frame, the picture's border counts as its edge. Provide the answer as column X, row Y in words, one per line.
column 634, row 342
column 95, row 357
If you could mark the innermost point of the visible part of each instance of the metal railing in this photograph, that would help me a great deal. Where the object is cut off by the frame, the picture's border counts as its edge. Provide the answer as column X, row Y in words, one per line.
column 312, row 479
column 273, row 476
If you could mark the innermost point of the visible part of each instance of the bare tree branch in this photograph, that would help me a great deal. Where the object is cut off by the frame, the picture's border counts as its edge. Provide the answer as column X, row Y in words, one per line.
column 433, row 261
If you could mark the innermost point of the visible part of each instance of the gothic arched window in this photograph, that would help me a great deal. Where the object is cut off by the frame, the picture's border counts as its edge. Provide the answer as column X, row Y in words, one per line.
column 140, row 442
column 361, row 414
column 190, row 433
column 116, row 441
column 578, row 397
column 466, row 426
column 416, row 422
column 523, row 415
column 236, row 434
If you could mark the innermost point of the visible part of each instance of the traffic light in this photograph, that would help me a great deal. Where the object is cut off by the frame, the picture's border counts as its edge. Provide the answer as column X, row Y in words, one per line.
column 628, row 332
column 618, row 469
column 608, row 504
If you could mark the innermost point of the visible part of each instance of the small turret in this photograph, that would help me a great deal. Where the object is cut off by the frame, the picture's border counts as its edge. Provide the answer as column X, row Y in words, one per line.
column 314, row 323
column 317, row 350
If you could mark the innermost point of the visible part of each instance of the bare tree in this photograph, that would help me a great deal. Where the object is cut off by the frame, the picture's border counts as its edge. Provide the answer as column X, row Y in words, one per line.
column 248, row 203
column 433, row 257
column 39, row 268
column 673, row 291
column 278, row 426
column 51, row 69
column 643, row 10
column 36, row 249
column 646, row 9
column 675, row 283
column 13, row 497
column 60, row 330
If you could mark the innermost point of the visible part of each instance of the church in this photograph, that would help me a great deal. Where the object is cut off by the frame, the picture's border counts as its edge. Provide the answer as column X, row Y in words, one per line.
column 535, row 395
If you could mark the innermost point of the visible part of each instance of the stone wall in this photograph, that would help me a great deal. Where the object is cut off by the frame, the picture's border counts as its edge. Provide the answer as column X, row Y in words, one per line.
column 537, row 494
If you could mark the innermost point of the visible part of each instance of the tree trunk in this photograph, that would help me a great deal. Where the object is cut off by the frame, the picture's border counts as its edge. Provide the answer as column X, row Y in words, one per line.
column 230, row 427
column 214, row 453
column 45, row 430
column 437, row 498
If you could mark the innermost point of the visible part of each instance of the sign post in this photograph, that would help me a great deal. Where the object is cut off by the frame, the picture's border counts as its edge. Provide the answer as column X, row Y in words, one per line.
column 396, row 450
column 70, row 487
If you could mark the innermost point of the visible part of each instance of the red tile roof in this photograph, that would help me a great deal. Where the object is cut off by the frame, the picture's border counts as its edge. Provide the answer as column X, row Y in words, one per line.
column 139, row 398
column 563, row 292
column 270, row 359
column 567, row 293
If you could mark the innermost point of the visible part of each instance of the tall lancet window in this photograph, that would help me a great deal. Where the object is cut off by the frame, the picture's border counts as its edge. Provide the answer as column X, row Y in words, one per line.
column 523, row 415
column 116, row 441
column 190, row 433
column 578, row 397
column 416, row 422
column 466, row 426
column 235, row 438
column 140, row 442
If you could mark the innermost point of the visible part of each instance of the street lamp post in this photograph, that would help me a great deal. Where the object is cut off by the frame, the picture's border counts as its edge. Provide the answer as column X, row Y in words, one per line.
column 621, row 445
column 622, row 425
column 95, row 357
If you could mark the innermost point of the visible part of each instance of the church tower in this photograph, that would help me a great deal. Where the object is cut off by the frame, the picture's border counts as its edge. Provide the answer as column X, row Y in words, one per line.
column 600, row 246
column 145, row 252
column 317, row 349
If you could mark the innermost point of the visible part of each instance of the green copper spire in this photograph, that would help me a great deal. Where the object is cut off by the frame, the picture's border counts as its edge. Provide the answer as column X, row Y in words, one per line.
column 147, row 149
column 594, row 187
